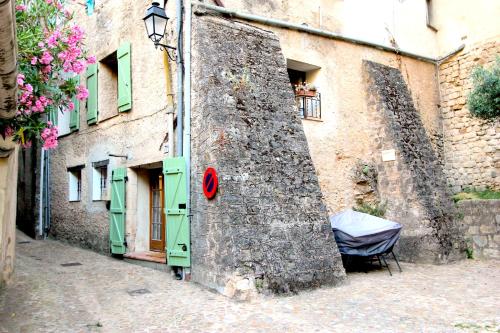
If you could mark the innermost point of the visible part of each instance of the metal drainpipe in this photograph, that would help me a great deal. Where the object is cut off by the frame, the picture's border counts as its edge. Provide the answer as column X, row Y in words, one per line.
column 187, row 105
column 318, row 32
column 49, row 199
column 180, row 70
column 170, row 104
column 40, row 209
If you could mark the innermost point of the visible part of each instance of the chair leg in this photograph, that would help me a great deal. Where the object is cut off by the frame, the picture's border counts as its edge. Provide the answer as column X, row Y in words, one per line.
column 397, row 262
column 379, row 262
column 386, row 265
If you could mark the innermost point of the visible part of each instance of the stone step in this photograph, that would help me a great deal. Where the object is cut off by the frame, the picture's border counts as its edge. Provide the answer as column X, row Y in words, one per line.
column 149, row 259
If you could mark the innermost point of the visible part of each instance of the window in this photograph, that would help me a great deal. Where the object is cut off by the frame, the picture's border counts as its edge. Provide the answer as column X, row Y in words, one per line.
column 75, row 183
column 113, row 92
column 100, row 180
column 63, row 120
column 307, row 96
column 430, row 16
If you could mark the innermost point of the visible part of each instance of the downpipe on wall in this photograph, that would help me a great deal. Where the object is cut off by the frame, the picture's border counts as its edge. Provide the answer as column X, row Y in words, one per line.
column 187, row 108
column 180, row 74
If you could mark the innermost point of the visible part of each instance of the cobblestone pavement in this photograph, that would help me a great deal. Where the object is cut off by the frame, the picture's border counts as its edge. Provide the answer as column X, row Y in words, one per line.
column 94, row 297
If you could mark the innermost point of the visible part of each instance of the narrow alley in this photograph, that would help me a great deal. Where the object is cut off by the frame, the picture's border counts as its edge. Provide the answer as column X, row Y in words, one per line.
column 104, row 294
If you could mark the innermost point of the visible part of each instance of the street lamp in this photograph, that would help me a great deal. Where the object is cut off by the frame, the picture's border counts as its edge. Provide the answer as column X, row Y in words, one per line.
column 156, row 23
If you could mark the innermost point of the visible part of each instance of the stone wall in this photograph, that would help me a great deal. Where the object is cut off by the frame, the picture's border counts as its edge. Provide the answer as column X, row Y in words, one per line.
column 482, row 220
column 471, row 145
column 268, row 224
column 414, row 180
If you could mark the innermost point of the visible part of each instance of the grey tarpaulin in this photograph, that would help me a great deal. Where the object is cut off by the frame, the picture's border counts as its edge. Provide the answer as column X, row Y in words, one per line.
column 362, row 234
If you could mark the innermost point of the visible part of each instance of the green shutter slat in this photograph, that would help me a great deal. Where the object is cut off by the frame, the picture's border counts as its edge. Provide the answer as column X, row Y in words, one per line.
column 117, row 211
column 124, row 78
column 178, row 247
column 92, row 99
column 74, row 120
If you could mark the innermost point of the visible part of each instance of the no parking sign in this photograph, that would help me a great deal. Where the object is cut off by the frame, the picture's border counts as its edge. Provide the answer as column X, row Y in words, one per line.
column 210, row 183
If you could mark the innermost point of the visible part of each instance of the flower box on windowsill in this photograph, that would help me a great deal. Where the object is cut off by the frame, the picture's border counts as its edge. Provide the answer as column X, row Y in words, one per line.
column 308, row 93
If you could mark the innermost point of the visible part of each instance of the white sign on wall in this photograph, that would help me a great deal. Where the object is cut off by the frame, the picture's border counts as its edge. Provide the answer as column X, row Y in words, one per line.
column 388, row 155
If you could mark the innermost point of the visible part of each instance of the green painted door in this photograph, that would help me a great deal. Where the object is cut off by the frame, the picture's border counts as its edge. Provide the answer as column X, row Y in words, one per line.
column 117, row 211
column 178, row 240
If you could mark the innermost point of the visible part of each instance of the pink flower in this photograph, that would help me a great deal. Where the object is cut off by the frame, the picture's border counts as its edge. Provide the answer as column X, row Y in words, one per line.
column 46, row 69
column 71, row 106
column 21, row 8
column 49, row 136
column 46, row 58
column 81, row 93
column 78, row 66
column 91, row 59
column 41, row 45
column 34, row 60
column 28, row 87
column 8, row 131
column 48, row 1
column 20, row 79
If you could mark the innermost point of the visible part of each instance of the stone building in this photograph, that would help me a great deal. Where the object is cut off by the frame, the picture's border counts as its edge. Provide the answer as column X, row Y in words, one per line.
column 385, row 122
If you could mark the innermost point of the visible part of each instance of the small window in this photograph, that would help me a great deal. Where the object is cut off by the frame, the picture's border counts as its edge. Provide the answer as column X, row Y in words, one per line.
column 75, row 184
column 100, row 180
column 63, row 122
column 430, row 16
column 108, row 87
column 307, row 96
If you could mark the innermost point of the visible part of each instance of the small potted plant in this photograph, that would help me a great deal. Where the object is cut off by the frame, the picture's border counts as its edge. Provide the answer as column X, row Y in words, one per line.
column 305, row 89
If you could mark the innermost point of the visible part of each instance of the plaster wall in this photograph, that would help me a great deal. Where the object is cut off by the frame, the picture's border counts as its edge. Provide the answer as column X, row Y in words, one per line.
column 388, row 22
column 465, row 22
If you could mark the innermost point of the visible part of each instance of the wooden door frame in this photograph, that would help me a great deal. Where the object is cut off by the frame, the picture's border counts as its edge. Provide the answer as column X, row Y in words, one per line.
column 157, row 245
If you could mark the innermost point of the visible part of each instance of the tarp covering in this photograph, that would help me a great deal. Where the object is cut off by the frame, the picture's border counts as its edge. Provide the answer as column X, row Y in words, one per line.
column 362, row 234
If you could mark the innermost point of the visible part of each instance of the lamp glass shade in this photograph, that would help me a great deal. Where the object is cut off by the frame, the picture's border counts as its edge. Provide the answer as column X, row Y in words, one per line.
column 156, row 22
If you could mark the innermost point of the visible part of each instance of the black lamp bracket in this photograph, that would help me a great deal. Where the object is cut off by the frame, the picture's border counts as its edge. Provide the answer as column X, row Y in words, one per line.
column 168, row 49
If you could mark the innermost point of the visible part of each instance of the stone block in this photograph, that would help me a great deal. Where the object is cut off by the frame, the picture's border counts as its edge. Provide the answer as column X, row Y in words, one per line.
column 480, row 241
column 487, row 229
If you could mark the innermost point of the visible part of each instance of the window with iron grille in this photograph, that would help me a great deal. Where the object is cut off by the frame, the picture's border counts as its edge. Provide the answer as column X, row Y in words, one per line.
column 100, row 180
column 309, row 106
column 307, row 97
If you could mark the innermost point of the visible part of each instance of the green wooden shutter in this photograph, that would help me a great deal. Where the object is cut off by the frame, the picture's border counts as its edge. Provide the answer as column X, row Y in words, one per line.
column 92, row 99
column 117, row 211
column 124, row 78
column 74, row 120
column 178, row 239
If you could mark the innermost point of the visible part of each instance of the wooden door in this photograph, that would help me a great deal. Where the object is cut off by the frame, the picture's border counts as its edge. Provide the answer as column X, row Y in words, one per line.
column 156, row 212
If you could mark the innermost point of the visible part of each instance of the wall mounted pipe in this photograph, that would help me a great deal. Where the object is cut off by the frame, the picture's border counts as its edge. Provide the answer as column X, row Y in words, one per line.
column 180, row 70
column 319, row 32
column 187, row 103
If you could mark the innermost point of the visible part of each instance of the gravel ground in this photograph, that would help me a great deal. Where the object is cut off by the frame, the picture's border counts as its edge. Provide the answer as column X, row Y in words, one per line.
column 108, row 295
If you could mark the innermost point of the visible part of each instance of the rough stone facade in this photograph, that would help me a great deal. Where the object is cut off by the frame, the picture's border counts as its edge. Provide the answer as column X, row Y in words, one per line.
column 268, row 223
column 423, row 205
column 482, row 220
column 471, row 145
column 137, row 135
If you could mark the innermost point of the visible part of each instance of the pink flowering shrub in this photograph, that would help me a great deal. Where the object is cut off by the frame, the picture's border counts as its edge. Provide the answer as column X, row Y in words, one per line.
column 51, row 55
